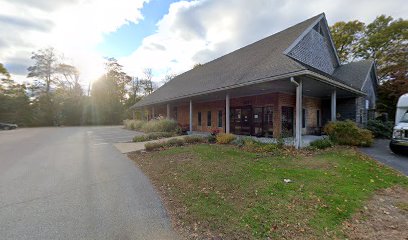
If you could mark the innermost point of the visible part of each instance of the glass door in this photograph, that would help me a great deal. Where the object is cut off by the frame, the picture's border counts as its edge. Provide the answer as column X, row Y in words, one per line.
column 268, row 121
column 246, row 120
column 257, row 121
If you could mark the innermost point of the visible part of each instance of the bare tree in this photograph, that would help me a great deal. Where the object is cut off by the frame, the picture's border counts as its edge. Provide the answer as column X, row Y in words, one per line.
column 147, row 82
column 45, row 67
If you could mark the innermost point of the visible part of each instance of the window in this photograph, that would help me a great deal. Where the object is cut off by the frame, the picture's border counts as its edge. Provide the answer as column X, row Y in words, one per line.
column 318, row 118
column 199, row 119
column 303, row 118
column 220, row 119
column 209, row 119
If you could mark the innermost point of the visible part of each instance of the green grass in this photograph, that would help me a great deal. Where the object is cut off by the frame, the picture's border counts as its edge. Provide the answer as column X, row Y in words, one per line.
column 236, row 194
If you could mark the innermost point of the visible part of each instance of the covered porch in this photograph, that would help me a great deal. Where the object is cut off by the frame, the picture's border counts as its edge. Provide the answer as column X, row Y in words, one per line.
column 292, row 108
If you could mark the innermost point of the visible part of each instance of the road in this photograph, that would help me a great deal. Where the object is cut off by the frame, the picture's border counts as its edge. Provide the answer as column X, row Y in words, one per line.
column 71, row 183
column 381, row 152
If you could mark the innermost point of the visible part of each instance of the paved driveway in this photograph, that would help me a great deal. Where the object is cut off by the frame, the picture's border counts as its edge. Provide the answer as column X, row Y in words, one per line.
column 382, row 153
column 71, row 183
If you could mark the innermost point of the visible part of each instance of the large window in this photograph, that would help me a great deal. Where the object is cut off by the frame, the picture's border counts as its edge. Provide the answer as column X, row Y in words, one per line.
column 175, row 113
column 220, row 119
column 209, row 119
column 318, row 123
column 199, row 119
column 303, row 118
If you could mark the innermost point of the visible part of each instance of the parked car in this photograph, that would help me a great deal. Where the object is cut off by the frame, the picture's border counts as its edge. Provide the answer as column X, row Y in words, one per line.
column 8, row 126
column 399, row 141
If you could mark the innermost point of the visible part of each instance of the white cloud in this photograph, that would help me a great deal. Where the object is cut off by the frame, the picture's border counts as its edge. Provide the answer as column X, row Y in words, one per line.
column 199, row 31
column 73, row 27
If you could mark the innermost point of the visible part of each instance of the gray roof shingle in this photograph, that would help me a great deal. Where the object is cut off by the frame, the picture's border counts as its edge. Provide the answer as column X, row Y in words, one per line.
column 354, row 73
column 262, row 59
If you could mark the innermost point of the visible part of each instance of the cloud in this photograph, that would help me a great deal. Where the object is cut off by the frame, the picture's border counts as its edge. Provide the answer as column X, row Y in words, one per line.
column 73, row 27
column 199, row 31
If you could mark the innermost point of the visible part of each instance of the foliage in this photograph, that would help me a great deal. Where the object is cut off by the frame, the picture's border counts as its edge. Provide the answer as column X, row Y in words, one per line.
column 173, row 142
column 321, row 143
column 346, row 37
column 225, row 138
column 224, row 191
column 191, row 139
column 348, row 133
column 251, row 145
column 215, row 131
column 212, row 139
column 152, row 136
column 385, row 40
column 133, row 124
column 162, row 125
column 380, row 129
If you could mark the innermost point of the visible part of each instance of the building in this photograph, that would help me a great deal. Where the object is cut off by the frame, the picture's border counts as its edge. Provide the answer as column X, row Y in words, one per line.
column 288, row 84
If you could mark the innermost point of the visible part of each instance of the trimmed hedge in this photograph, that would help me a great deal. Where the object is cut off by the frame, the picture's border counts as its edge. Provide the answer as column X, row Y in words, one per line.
column 195, row 139
column 174, row 142
column 251, row 145
column 153, row 136
column 348, row 133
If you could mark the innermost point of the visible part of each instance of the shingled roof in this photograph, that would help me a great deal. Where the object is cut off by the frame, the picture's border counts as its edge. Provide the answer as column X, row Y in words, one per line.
column 262, row 59
column 355, row 73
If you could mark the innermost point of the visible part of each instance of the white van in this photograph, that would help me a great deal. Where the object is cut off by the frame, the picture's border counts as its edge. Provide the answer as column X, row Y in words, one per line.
column 399, row 141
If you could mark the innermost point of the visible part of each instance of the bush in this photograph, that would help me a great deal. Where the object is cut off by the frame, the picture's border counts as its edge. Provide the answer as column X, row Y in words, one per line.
column 152, row 136
column 321, row 143
column 380, row 129
column 150, row 146
column 195, row 139
column 251, row 145
column 225, row 138
column 175, row 142
column 133, row 124
column 239, row 141
column 163, row 125
column 348, row 133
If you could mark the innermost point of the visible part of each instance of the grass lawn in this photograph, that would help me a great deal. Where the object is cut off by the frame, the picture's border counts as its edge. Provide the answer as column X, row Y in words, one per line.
column 223, row 191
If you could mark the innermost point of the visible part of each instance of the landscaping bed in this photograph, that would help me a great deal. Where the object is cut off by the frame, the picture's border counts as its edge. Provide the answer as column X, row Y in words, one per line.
column 227, row 192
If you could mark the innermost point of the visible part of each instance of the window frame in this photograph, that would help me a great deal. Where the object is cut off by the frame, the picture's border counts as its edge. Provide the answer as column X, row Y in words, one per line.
column 209, row 119
column 219, row 120
column 199, row 119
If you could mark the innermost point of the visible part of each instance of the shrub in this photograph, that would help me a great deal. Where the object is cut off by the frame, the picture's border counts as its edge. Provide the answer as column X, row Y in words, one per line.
column 212, row 139
column 251, row 145
column 150, row 146
column 174, row 142
column 322, row 143
column 195, row 139
column 380, row 129
column 163, row 125
column 348, row 133
column 225, row 138
column 133, row 124
column 239, row 141
column 152, row 136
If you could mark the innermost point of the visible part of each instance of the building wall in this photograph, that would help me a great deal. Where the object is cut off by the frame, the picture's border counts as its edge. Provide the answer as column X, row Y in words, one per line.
column 275, row 100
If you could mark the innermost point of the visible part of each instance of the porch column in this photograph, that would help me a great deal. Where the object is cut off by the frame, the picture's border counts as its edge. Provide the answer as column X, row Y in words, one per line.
column 333, row 106
column 227, row 114
column 168, row 111
column 191, row 115
column 299, row 108
column 153, row 112
column 299, row 115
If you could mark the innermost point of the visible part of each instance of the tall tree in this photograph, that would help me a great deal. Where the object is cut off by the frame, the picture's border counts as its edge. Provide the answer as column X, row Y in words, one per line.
column 45, row 67
column 109, row 94
column 346, row 36
column 147, row 81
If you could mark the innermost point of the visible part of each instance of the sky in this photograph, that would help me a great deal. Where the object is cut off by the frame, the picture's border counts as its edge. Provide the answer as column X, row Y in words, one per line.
column 168, row 36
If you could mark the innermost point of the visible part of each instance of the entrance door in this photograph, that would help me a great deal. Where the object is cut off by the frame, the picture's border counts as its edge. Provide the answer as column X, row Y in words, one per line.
column 268, row 121
column 246, row 120
column 287, row 122
column 257, row 121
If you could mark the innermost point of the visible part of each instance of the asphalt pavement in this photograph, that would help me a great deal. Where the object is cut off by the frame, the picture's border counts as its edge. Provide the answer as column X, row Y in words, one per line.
column 72, row 183
column 381, row 152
